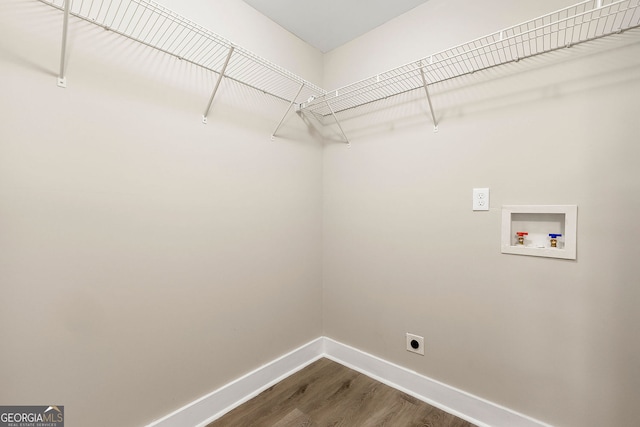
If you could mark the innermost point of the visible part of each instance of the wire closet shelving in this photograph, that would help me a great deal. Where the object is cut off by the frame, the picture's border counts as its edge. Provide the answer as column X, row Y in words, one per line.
column 584, row 21
column 158, row 27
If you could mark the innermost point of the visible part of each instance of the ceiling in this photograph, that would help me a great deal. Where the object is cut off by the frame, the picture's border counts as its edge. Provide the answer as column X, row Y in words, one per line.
column 327, row 24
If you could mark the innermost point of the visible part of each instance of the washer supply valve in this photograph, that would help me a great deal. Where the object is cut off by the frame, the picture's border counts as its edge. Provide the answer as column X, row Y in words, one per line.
column 554, row 239
column 521, row 235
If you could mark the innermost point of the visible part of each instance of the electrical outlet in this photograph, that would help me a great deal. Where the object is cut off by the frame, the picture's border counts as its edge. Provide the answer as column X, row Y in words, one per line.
column 480, row 199
column 415, row 344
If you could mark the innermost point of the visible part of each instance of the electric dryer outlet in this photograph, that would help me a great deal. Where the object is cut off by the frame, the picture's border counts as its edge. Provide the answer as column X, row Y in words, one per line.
column 415, row 344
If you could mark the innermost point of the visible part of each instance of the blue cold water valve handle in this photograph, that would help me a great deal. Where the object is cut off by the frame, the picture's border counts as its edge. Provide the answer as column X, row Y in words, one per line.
column 555, row 236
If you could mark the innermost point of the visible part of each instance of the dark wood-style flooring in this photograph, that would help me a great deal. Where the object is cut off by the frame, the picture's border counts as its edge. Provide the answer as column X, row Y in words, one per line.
column 326, row 393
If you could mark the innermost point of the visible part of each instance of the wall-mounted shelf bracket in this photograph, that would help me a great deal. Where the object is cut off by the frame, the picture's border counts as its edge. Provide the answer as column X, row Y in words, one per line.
column 339, row 126
column 62, row 79
column 293, row 101
column 215, row 89
column 426, row 91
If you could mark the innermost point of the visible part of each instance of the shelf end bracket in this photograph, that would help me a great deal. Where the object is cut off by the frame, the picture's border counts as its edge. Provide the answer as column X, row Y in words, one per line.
column 426, row 91
column 62, row 79
column 215, row 89
column 293, row 101
column 338, row 123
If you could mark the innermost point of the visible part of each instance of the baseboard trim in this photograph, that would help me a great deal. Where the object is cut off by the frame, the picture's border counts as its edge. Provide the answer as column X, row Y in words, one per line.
column 217, row 403
column 457, row 402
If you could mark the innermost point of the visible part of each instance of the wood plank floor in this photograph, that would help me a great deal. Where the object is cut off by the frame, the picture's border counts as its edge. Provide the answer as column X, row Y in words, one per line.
column 325, row 394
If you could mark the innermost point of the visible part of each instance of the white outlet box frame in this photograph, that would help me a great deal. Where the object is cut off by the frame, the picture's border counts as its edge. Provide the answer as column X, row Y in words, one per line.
column 565, row 215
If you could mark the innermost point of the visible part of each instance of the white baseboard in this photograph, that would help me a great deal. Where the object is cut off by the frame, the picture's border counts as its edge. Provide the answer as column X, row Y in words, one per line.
column 457, row 402
column 217, row 403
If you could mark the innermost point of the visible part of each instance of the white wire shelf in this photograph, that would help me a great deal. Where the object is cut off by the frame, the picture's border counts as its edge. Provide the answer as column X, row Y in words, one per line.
column 584, row 21
column 158, row 27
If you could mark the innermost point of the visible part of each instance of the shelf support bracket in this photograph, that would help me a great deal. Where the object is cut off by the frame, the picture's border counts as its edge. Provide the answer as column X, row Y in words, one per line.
column 426, row 91
column 215, row 89
column 62, row 78
column 293, row 101
column 338, row 123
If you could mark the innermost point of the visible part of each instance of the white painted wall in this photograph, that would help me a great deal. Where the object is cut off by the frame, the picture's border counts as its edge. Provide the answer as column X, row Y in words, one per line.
column 146, row 259
column 403, row 251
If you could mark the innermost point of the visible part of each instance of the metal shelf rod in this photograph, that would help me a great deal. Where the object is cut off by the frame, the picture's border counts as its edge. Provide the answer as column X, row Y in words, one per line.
column 62, row 79
column 215, row 89
column 426, row 91
column 273, row 135
column 339, row 126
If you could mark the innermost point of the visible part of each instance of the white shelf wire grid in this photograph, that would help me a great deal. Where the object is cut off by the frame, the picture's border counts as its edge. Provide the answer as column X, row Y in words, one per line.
column 156, row 26
column 584, row 21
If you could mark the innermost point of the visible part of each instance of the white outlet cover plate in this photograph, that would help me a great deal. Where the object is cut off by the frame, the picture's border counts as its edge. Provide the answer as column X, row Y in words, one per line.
column 480, row 199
